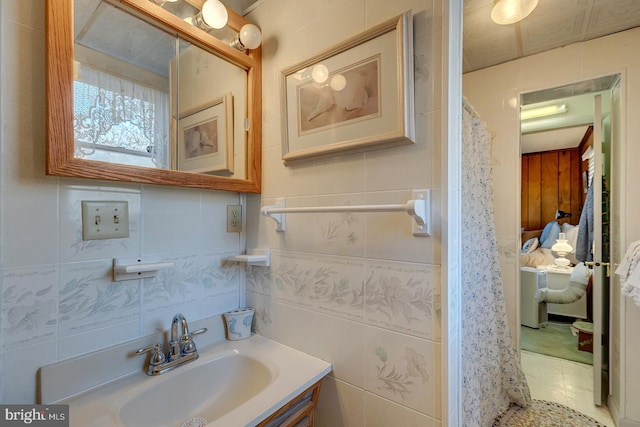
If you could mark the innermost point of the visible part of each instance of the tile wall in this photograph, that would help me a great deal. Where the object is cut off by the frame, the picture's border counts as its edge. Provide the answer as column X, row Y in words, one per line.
column 358, row 290
column 57, row 297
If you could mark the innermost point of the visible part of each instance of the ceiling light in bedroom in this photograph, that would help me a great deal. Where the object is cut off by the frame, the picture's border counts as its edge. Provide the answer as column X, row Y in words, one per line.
column 548, row 110
column 562, row 248
column 505, row 12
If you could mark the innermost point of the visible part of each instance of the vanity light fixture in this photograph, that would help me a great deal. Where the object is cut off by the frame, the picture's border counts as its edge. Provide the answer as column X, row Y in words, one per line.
column 249, row 37
column 505, row 12
column 213, row 15
column 549, row 110
column 562, row 248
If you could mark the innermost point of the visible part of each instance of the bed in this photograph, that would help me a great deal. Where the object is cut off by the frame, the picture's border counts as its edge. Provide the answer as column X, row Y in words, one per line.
column 535, row 253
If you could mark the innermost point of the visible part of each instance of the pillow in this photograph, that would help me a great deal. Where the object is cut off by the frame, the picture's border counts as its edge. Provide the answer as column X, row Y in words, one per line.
column 571, row 234
column 530, row 245
column 546, row 230
column 551, row 236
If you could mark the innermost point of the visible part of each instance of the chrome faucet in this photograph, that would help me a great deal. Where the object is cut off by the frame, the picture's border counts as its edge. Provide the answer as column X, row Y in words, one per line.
column 182, row 349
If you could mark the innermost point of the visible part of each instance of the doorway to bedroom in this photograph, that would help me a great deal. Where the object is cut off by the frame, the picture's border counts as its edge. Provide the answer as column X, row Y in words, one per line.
column 567, row 135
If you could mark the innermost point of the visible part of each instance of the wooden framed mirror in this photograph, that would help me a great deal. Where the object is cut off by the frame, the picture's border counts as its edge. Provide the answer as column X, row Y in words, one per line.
column 202, row 87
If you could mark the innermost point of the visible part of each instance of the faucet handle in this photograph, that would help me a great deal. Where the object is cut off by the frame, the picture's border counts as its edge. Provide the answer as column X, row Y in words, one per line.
column 188, row 346
column 157, row 355
column 199, row 332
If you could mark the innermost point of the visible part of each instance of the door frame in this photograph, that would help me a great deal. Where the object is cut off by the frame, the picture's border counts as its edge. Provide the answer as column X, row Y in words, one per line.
column 615, row 253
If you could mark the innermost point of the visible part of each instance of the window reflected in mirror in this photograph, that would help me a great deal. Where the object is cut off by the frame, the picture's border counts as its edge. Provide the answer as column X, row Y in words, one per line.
column 121, row 88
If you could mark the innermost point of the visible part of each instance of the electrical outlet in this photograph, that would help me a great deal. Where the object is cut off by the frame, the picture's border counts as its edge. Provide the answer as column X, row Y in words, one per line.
column 234, row 218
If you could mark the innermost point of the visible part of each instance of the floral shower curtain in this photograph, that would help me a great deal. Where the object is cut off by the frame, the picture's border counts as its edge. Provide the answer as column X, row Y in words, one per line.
column 492, row 374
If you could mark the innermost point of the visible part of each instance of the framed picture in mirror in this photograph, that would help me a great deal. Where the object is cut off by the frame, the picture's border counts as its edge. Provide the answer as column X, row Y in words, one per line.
column 355, row 96
column 205, row 138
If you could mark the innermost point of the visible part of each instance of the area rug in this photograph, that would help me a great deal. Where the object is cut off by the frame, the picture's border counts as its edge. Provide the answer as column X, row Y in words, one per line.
column 544, row 414
column 554, row 340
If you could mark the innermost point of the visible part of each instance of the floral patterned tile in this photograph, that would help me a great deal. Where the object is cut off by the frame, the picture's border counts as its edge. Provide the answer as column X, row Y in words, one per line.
column 263, row 316
column 29, row 302
column 400, row 368
column 328, row 284
column 90, row 300
column 258, row 279
column 195, row 278
column 402, row 296
column 339, row 233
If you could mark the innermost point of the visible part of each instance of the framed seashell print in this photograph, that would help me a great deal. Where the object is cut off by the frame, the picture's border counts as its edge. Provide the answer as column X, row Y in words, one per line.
column 355, row 96
column 205, row 137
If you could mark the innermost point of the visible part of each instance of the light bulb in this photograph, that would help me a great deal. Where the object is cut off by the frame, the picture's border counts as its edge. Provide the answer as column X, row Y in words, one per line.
column 320, row 73
column 214, row 14
column 507, row 12
column 338, row 82
column 250, row 36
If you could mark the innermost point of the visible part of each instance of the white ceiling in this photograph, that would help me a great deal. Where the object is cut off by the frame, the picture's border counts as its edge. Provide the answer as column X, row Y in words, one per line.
column 552, row 140
column 553, row 24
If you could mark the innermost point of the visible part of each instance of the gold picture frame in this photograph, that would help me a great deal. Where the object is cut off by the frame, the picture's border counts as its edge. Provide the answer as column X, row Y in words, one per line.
column 355, row 96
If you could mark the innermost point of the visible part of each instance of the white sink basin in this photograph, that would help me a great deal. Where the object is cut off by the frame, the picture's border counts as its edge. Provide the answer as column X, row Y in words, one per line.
column 212, row 389
column 235, row 383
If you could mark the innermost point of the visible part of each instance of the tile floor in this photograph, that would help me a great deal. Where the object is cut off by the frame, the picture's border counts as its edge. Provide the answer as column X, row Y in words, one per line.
column 563, row 381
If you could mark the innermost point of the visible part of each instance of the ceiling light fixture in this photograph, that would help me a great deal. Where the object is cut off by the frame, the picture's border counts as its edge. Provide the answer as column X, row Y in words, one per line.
column 549, row 110
column 505, row 12
column 249, row 37
column 213, row 15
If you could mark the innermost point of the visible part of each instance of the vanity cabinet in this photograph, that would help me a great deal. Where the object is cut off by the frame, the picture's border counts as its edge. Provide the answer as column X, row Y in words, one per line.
column 298, row 412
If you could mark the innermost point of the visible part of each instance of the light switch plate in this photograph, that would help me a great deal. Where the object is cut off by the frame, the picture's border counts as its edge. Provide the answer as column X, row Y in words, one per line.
column 103, row 219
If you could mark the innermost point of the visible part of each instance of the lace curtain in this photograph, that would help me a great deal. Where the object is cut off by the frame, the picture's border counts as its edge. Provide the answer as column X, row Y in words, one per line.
column 119, row 120
column 492, row 374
